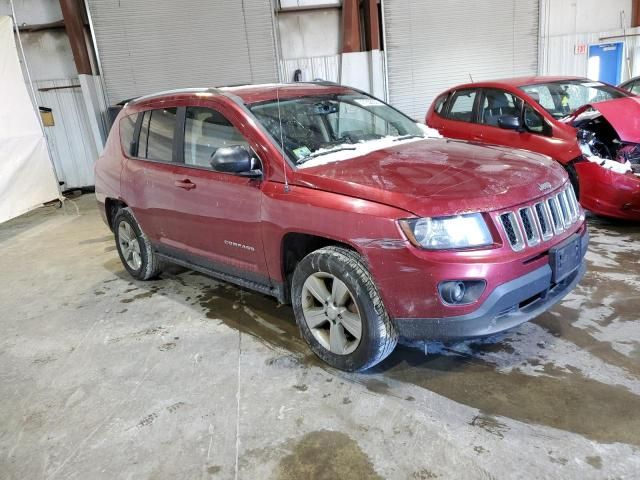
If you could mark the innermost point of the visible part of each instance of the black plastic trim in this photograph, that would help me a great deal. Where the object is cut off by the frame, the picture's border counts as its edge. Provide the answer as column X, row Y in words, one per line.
column 223, row 272
column 502, row 310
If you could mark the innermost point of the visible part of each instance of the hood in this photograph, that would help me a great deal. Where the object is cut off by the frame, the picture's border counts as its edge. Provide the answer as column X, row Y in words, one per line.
column 622, row 113
column 439, row 177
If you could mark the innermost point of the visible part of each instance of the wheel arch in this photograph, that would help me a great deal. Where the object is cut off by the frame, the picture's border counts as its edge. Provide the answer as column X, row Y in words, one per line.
column 295, row 245
column 111, row 207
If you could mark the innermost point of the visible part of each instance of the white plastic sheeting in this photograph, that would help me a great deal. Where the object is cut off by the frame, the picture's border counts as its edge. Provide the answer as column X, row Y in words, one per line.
column 26, row 176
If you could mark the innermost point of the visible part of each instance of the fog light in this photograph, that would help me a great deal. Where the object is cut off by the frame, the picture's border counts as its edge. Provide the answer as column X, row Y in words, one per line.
column 461, row 292
column 452, row 292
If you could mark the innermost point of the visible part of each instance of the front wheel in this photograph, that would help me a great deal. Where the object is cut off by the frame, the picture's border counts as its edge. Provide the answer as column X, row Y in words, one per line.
column 339, row 310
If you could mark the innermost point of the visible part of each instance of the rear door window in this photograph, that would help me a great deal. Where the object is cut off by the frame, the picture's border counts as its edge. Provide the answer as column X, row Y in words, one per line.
column 461, row 108
column 127, row 129
column 440, row 104
column 155, row 141
column 161, row 129
column 205, row 131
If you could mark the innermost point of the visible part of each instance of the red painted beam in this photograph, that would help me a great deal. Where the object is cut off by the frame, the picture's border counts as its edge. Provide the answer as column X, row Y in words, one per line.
column 635, row 13
column 371, row 24
column 75, row 31
column 350, row 26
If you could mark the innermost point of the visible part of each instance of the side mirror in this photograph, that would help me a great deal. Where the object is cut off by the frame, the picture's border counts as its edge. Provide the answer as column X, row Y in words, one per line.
column 233, row 159
column 510, row 122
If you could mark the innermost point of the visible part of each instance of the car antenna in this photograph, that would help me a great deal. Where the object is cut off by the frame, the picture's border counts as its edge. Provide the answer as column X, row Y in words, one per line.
column 471, row 78
column 284, row 162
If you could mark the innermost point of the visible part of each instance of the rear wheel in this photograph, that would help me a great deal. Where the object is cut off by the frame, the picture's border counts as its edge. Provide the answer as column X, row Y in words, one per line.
column 339, row 310
column 134, row 247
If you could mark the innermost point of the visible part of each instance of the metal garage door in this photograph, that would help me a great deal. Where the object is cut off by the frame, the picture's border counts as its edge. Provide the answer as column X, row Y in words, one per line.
column 150, row 45
column 435, row 44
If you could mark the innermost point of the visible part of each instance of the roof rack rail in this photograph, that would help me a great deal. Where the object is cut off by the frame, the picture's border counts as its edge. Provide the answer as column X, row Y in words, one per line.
column 323, row 82
column 174, row 91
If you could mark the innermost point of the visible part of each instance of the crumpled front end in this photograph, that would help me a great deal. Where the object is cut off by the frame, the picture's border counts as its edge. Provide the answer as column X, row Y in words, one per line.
column 609, row 168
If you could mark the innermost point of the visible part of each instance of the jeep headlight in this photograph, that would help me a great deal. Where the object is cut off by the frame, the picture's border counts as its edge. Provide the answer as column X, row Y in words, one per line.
column 440, row 233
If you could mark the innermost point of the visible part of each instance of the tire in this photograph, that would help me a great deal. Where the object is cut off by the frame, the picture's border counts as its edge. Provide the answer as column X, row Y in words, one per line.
column 139, row 260
column 573, row 178
column 378, row 335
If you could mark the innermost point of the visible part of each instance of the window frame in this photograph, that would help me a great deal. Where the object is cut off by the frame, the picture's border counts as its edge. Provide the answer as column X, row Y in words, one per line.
column 133, row 145
column 547, row 129
column 441, row 102
column 484, row 90
column 179, row 145
column 474, row 108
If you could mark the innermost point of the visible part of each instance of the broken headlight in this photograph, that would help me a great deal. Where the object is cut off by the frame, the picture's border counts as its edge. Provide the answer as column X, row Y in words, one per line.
column 441, row 233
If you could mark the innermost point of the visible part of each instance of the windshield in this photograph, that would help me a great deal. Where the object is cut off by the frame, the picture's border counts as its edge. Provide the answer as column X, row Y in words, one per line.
column 322, row 125
column 565, row 97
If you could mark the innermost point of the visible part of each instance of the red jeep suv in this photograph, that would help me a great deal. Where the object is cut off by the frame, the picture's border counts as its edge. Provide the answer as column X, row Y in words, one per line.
column 330, row 199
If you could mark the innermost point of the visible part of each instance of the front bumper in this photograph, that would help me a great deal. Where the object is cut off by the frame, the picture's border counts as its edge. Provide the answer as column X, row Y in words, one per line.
column 508, row 306
column 608, row 193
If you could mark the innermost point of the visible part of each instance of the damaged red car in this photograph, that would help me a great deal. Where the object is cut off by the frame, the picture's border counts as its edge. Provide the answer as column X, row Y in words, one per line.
column 591, row 128
column 335, row 202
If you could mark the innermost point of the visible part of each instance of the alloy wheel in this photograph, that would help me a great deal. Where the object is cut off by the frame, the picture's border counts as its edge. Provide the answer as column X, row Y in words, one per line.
column 331, row 313
column 129, row 246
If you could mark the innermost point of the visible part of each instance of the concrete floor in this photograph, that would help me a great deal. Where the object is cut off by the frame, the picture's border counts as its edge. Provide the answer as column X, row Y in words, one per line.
column 184, row 377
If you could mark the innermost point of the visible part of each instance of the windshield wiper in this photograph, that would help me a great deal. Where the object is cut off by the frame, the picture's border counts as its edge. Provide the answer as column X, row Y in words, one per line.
column 406, row 137
column 326, row 152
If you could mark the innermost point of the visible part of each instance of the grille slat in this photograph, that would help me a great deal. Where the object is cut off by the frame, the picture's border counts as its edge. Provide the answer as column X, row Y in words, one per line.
column 530, row 226
column 564, row 209
column 512, row 229
column 537, row 223
column 544, row 220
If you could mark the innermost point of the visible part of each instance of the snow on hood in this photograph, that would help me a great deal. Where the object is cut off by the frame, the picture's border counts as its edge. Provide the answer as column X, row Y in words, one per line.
column 622, row 113
column 353, row 150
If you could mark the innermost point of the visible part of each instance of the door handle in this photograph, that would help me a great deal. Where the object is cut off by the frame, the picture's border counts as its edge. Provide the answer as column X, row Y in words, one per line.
column 186, row 184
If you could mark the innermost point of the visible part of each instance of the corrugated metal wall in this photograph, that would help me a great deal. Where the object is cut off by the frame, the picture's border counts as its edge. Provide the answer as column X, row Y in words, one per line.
column 147, row 46
column 72, row 145
column 436, row 44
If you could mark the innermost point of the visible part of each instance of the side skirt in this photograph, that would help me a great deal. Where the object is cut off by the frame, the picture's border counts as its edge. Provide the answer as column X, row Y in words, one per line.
column 276, row 290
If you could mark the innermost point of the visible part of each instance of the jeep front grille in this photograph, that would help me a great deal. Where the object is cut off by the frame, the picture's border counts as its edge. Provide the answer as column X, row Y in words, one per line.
column 532, row 224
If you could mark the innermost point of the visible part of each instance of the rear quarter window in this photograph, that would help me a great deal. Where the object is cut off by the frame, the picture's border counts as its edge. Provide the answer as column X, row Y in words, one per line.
column 440, row 103
column 127, row 128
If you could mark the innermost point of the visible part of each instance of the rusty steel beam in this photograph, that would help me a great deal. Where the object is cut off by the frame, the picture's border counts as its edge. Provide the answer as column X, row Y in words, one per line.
column 371, row 24
column 73, row 23
column 351, row 26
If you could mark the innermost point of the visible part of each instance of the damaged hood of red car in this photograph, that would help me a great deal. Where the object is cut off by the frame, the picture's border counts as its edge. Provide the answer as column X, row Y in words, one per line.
column 439, row 177
column 622, row 113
